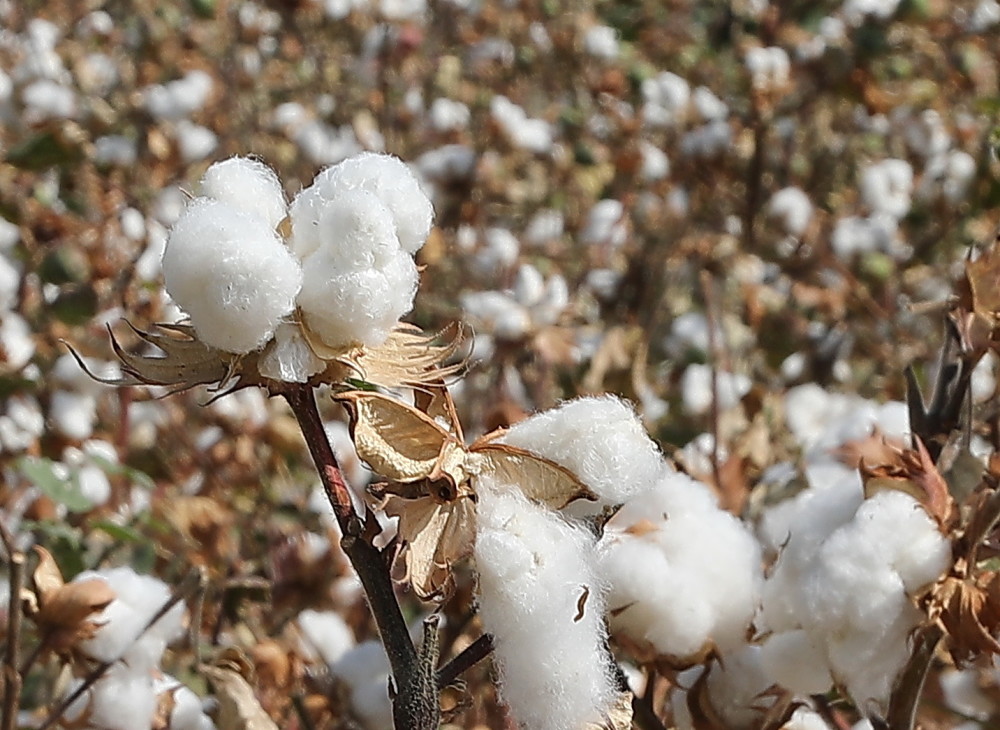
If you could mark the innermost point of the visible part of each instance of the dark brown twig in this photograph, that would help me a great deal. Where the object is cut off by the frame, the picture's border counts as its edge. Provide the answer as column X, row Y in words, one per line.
column 369, row 563
column 910, row 683
column 465, row 660
column 13, row 679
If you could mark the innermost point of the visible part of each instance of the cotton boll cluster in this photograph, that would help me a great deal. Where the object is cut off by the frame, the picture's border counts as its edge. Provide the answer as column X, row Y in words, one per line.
column 325, row 633
column 540, row 598
column 601, row 440
column 683, row 574
column 348, row 265
column 886, row 187
column 838, row 605
column 735, row 690
column 178, row 99
column 855, row 235
column 533, row 135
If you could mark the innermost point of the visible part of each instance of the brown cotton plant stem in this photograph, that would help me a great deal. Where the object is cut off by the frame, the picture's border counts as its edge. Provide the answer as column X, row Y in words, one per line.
column 909, row 685
column 12, row 680
column 464, row 660
column 409, row 696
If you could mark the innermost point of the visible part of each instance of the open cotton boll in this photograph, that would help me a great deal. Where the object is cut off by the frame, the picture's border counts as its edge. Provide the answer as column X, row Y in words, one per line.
column 357, row 307
column 388, row 178
column 326, row 633
column 601, row 440
column 120, row 636
column 122, row 699
column 246, row 184
column 289, row 359
column 357, row 232
column 736, row 687
column 231, row 273
column 682, row 572
column 187, row 713
column 797, row 661
column 541, row 600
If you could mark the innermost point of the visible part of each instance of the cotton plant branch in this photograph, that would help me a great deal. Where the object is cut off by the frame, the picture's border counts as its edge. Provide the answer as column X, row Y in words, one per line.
column 13, row 679
column 465, row 660
column 412, row 695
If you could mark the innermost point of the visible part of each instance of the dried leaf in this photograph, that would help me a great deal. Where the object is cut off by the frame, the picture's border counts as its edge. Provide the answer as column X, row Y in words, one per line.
column 969, row 612
column 239, row 708
column 409, row 357
column 911, row 471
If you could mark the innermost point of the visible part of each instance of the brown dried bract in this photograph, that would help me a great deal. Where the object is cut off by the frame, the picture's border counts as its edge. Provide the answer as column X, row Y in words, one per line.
column 968, row 609
column 62, row 611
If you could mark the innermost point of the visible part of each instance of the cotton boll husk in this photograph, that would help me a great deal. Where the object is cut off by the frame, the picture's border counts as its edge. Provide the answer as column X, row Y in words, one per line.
column 601, row 440
column 684, row 571
column 358, row 307
column 137, row 599
column 187, row 713
column 797, row 661
column 231, row 273
column 533, row 568
column 246, row 184
column 356, row 232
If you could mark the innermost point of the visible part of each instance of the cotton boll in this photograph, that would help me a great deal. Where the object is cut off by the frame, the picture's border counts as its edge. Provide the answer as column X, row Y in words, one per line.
column 797, row 661
column 289, row 358
column 73, row 414
column 736, row 688
column 362, row 664
column 805, row 719
column 605, row 224
column 682, row 573
column 188, row 713
column 768, row 67
column 601, row 440
column 357, row 232
column 17, row 341
column 708, row 105
column 447, row 115
column 601, row 41
column 326, row 633
column 357, row 307
column 886, row 187
column 194, row 142
column 792, row 208
column 248, row 185
column 122, row 699
column 534, row 573
column 120, row 634
column 529, row 286
column 45, row 99
column 666, row 96
column 555, row 300
column 21, row 423
column 500, row 314
column 231, row 274
column 534, row 135
column 655, row 165
column 179, row 99
column 696, row 389
column 964, row 694
column 545, row 225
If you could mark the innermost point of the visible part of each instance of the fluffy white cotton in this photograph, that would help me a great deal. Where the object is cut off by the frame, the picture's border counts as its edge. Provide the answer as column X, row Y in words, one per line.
column 666, row 96
column 768, row 67
column 73, row 414
column 365, row 671
column 534, row 135
column 447, row 115
column 842, row 589
column 17, row 340
column 21, row 423
column 120, row 636
column 655, row 165
column 601, row 440
column 231, row 273
column 326, row 633
column 792, row 208
column 194, row 142
column 289, row 358
column 356, row 307
column 601, row 41
column 179, row 99
column 696, row 388
column 386, row 177
column 187, row 713
column 541, row 600
column 122, row 699
column 605, row 224
column 886, row 187
column 682, row 572
column 248, row 185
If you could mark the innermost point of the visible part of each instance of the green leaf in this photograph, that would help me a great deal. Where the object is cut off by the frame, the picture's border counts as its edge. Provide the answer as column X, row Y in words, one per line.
column 43, row 151
column 42, row 473
column 113, row 468
column 121, row 533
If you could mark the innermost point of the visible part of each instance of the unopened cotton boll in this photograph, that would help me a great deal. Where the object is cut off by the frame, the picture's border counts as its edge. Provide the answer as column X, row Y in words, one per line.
column 248, row 185
column 601, row 440
column 231, row 273
column 541, row 600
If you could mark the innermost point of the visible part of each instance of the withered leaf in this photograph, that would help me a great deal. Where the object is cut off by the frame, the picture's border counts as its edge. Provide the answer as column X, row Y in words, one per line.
column 239, row 708
column 541, row 480
column 969, row 611
column 912, row 471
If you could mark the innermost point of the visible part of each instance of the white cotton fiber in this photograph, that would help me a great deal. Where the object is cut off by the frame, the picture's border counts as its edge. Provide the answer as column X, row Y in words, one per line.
column 386, row 177
column 601, row 440
column 289, row 358
column 246, row 184
column 797, row 661
column 122, row 699
column 326, row 633
column 540, row 599
column 682, row 572
column 357, row 307
column 137, row 599
column 231, row 273
column 356, row 232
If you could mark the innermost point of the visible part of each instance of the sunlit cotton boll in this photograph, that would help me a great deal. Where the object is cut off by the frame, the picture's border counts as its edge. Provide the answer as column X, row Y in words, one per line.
column 246, row 184
column 326, row 633
column 232, row 275
column 386, row 177
column 601, row 440
column 122, row 699
column 682, row 572
column 541, row 600
column 886, row 187
column 179, row 99
column 120, row 636
column 534, row 135
column 792, row 208
column 666, row 96
column 601, row 41
column 187, row 713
